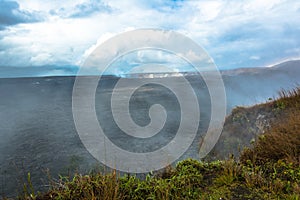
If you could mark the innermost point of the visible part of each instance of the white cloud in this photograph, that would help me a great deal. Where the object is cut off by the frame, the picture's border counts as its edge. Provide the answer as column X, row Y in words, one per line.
column 40, row 58
column 88, row 51
column 254, row 57
column 232, row 32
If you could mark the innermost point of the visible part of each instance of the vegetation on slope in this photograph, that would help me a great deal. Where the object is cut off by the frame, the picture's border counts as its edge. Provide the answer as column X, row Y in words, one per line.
column 245, row 125
column 190, row 179
column 269, row 169
column 282, row 141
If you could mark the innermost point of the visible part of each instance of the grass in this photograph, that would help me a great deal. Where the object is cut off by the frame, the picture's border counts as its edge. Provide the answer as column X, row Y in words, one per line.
column 245, row 125
column 190, row 179
column 282, row 140
column 269, row 169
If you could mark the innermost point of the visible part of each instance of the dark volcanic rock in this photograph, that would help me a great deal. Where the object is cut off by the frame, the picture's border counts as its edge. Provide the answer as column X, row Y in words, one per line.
column 37, row 130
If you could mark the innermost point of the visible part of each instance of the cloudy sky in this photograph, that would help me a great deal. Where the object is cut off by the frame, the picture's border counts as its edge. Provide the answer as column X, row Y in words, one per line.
column 53, row 37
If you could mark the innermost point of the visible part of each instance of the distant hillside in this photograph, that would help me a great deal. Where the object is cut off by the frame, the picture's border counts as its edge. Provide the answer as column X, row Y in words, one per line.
column 291, row 66
column 246, row 87
column 245, row 124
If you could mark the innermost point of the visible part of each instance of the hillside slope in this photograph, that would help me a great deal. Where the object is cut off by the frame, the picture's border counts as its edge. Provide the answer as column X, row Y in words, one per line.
column 245, row 124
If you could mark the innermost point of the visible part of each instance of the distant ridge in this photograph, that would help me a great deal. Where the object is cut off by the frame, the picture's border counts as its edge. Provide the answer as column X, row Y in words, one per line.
column 46, row 71
column 291, row 65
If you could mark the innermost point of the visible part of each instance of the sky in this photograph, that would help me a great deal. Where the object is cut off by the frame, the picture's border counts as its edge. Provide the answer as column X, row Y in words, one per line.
column 53, row 37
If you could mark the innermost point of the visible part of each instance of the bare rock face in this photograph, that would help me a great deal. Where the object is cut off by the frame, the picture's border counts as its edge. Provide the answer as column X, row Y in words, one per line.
column 244, row 125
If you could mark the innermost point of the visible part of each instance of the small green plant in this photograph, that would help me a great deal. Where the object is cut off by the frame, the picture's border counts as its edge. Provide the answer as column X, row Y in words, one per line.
column 190, row 179
column 279, row 105
column 28, row 190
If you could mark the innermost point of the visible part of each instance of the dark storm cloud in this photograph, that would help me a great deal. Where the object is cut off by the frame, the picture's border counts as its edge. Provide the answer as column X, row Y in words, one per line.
column 11, row 14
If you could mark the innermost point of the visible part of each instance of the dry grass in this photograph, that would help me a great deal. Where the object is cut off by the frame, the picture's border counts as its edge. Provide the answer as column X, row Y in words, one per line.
column 93, row 187
column 282, row 140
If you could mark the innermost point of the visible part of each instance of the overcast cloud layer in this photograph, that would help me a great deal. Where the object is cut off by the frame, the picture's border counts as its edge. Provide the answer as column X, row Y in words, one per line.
column 54, row 37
